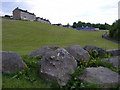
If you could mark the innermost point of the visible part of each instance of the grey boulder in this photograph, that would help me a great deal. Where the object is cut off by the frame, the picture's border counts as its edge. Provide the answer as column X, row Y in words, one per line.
column 55, row 66
column 41, row 51
column 101, row 51
column 11, row 62
column 78, row 53
column 101, row 76
column 115, row 52
column 114, row 60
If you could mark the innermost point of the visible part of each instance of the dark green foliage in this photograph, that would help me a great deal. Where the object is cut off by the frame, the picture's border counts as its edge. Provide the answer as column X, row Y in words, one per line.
column 30, row 73
column 29, row 76
column 114, row 32
column 74, row 25
column 94, row 61
column 100, row 26
column 7, row 16
column 68, row 25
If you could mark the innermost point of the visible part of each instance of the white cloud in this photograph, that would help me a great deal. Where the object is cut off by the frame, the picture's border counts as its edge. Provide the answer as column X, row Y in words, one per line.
column 69, row 11
column 3, row 13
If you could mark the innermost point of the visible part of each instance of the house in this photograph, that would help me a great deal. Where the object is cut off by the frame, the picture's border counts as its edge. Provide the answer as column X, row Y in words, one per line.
column 23, row 14
column 58, row 25
column 42, row 20
column 86, row 28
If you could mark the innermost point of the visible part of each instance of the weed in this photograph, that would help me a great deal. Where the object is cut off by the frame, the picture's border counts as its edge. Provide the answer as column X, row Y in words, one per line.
column 30, row 76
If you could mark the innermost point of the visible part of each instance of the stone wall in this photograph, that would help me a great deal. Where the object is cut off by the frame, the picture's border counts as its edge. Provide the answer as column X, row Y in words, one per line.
column 16, row 14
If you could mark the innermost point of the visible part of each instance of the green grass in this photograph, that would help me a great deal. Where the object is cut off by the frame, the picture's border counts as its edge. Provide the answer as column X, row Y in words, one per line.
column 29, row 78
column 24, row 37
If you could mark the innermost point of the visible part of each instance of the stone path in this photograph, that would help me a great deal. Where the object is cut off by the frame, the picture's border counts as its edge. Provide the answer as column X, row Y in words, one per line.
column 105, row 37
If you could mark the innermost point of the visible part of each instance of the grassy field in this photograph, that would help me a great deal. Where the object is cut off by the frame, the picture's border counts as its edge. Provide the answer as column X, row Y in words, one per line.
column 24, row 36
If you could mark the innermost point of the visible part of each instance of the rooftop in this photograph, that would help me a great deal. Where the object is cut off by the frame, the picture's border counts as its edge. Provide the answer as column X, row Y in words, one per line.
column 25, row 11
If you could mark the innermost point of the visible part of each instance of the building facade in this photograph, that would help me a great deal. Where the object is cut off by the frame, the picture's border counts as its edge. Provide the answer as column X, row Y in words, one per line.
column 23, row 14
column 42, row 20
column 87, row 28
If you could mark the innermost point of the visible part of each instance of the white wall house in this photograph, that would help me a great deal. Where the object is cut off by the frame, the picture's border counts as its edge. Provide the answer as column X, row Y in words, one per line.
column 23, row 14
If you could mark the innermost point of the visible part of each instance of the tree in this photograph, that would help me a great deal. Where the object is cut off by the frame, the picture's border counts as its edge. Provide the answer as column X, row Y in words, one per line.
column 102, row 27
column 88, row 24
column 98, row 25
column 114, row 31
column 7, row 16
column 74, row 25
column 68, row 25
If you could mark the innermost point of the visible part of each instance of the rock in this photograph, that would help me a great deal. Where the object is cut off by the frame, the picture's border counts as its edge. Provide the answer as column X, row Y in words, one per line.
column 115, row 52
column 78, row 53
column 11, row 62
column 41, row 51
column 101, row 51
column 102, row 76
column 114, row 60
column 55, row 66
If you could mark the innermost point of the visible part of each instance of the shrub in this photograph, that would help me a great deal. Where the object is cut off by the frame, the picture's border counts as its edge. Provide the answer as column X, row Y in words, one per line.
column 114, row 31
column 7, row 16
column 95, row 61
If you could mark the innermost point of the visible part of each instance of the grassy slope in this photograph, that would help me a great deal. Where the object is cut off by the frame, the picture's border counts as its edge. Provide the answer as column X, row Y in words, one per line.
column 24, row 37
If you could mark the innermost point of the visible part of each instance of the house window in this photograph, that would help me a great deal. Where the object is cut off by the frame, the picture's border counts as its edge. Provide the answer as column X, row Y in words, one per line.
column 24, row 16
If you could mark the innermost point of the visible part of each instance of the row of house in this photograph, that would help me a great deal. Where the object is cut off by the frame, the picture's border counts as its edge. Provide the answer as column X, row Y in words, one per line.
column 87, row 28
column 42, row 20
column 25, row 15
column 59, row 24
column 20, row 14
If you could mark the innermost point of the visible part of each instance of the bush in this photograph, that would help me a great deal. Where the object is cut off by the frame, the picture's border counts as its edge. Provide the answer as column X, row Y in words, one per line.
column 7, row 16
column 95, row 61
column 114, row 32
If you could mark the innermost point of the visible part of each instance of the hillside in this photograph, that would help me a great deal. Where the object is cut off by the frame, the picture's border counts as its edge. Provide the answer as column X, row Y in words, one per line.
column 25, row 36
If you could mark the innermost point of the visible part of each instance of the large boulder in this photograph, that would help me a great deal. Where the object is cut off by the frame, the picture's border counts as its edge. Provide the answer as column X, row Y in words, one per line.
column 78, row 53
column 41, row 51
column 102, row 76
column 114, row 60
column 11, row 62
column 101, row 51
column 115, row 52
column 55, row 66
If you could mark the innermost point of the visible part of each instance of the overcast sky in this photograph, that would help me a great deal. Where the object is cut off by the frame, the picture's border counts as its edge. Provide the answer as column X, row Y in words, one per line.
column 66, row 11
